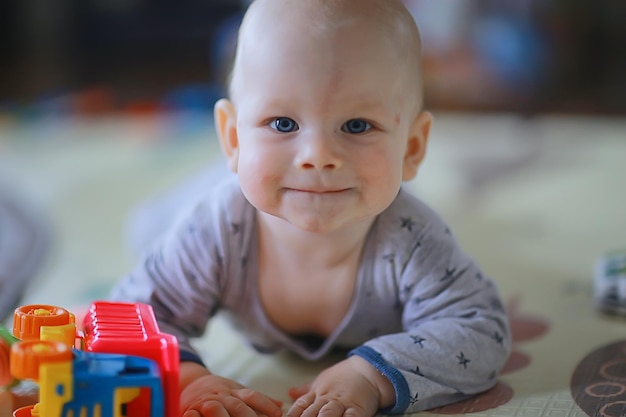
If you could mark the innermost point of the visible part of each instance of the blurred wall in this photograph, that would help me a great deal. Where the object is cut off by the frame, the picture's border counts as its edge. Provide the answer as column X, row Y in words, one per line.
column 528, row 56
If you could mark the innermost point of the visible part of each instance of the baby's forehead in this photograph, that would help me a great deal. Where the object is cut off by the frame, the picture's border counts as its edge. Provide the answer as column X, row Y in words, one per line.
column 386, row 29
column 382, row 23
column 327, row 14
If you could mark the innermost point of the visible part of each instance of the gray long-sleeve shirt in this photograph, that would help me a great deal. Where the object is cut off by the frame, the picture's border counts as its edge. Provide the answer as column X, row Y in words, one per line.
column 423, row 313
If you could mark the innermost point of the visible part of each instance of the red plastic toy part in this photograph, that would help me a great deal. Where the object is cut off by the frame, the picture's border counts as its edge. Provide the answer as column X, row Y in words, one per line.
column 132, row 329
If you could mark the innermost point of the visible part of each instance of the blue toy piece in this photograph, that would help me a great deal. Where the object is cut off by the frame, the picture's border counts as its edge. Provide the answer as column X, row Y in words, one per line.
column 94, row 384
column 112, row 381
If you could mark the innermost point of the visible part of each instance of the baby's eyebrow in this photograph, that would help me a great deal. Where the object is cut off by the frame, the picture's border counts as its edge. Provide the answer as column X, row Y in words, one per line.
column 371, row 106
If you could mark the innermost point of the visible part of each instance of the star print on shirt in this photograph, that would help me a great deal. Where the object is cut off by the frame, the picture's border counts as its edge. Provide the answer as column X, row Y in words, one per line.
column 417, row 371
column 415, row 247
column 463, row 360
column 449, row 274
column 414, row 398
column 498, row 338
column 417, row 340
column 218, row 256
column 407, row 289
column 407, row 223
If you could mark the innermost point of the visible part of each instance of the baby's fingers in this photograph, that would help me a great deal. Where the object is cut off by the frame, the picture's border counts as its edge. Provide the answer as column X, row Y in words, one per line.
column 225, row 407
column 260, row 403
column 302, row 404
column 296, row 392
column 333, row 408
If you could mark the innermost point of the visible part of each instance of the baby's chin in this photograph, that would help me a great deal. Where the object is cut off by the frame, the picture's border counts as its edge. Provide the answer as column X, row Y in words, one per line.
column 330, row 226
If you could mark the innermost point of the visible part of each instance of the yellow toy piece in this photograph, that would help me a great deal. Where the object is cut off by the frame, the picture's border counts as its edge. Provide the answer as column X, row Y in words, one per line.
column 123, row 396
column 59, row 389
column 65, row 334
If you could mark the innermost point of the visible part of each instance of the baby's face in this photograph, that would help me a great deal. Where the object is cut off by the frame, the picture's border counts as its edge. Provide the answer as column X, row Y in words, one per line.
column 322, row 123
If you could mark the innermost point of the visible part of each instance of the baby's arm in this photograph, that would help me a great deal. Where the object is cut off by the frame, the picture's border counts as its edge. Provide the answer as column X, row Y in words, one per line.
column 204, row 394
column 180, row 278
column 456, row 336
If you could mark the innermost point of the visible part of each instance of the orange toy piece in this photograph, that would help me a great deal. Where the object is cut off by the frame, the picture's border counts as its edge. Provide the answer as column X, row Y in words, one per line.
column 26, row 357
column 5, row 376
column 28, row 320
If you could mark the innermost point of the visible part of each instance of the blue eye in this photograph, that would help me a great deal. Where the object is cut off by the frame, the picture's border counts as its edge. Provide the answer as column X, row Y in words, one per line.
column 284, row 124
column 356, row 126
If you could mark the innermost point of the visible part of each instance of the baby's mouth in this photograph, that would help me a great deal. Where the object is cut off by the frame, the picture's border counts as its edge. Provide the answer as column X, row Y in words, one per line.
column 319, row 190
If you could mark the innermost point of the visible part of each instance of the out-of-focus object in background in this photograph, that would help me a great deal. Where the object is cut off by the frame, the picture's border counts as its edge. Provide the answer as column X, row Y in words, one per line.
column 529, row 56
column 610, row 283
column 24, row 244
column 480, row 55
column 95, row 57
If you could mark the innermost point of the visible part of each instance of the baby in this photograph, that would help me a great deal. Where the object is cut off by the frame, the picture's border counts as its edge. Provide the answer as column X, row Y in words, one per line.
column 314, row 245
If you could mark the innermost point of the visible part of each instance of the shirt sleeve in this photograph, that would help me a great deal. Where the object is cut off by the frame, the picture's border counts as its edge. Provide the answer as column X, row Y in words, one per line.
column 180, row 277
column 455, row 336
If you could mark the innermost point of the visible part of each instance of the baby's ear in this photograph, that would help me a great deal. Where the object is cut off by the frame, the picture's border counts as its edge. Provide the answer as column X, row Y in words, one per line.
column 226, row 126
column 416, row 145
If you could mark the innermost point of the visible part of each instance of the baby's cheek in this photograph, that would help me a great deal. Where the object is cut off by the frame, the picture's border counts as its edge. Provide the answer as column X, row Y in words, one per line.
column 384, row 187
column 258, row 189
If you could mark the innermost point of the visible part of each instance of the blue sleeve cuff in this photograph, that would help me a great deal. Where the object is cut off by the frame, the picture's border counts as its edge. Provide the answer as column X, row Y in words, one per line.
column 186, row 356
column 401, row 387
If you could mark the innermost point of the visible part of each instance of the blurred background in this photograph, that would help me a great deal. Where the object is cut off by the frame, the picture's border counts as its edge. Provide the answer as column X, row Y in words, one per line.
column 98, row 56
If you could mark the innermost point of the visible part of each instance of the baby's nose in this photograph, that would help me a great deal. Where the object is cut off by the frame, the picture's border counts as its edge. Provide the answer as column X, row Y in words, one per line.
column 320, row 153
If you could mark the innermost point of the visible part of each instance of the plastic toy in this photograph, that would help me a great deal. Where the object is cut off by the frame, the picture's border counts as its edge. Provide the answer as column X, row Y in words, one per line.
column 120, row 364
column 6, row 340
column 610, row 283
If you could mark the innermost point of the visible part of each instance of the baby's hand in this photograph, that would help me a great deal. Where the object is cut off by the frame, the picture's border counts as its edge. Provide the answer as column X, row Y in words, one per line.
column 214, row 396
column 351, row 388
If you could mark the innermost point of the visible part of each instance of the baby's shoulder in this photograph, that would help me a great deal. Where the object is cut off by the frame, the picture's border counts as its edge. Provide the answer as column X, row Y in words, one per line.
column 409, row 213
column 224, row 197
column 222, row 206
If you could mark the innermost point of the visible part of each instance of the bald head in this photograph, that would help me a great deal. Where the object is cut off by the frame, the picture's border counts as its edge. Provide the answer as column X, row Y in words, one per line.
column 389, row 25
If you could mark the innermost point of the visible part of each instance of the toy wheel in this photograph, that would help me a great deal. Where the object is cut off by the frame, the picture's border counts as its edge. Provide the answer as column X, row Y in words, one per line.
column 24, row 411
column 28, row 319
column 26, row 357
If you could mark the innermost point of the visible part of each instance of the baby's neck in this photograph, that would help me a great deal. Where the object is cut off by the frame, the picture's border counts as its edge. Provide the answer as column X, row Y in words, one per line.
column 326, row 250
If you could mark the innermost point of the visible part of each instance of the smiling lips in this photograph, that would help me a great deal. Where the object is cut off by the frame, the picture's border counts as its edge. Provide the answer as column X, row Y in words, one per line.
column 317, row 191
